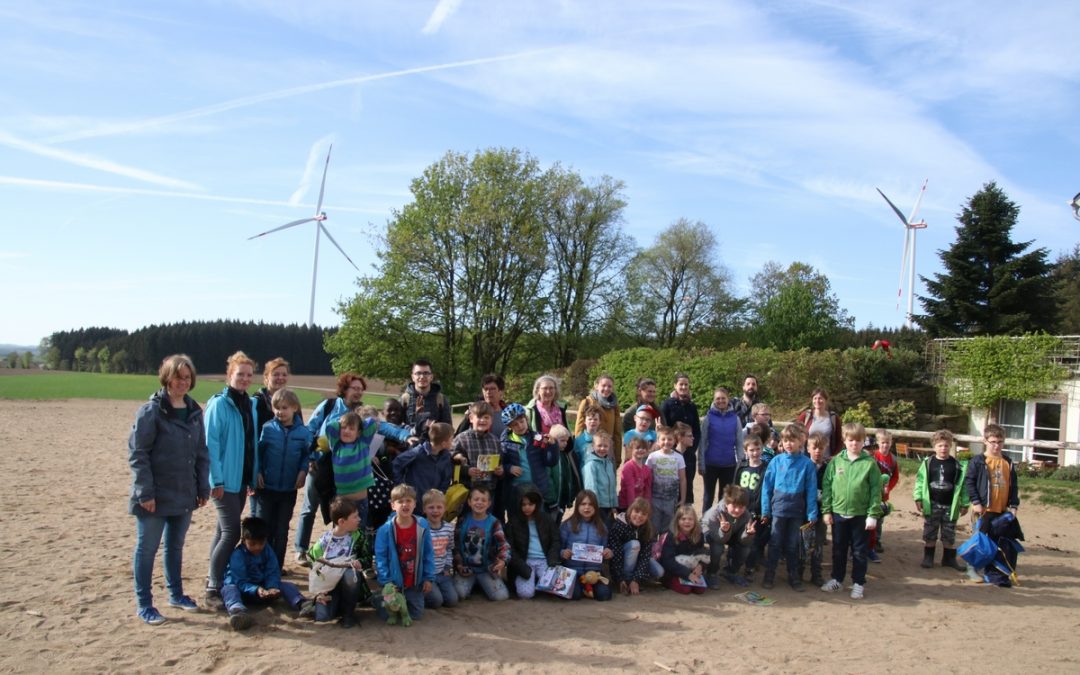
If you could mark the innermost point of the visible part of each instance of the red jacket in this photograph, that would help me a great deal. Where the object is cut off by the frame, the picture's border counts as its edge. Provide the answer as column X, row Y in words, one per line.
column 887, row 464
column 634, row 481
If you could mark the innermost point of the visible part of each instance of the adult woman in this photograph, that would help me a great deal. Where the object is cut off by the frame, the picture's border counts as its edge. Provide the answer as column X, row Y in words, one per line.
column 721, row 446
column 603, row 395
column 492, row 387
column 545, row 409
column 231, row 438
column 679, row 407
column 818, row 417
column 275, row 376
column 646, row 395
column 169, row 479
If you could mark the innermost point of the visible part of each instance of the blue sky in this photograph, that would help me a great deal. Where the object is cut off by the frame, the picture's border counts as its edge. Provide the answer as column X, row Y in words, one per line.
column 141, row 143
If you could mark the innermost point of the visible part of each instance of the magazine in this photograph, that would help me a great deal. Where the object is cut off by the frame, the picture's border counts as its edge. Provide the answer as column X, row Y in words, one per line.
column 753, row 598
column 587, row 553
column 700, row 583
column 558, row 581
column 487, row 463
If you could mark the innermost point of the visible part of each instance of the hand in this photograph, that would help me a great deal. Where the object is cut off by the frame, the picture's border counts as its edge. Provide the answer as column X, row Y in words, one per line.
column 624, row 588
column 750, row 526
column 218, row 492
column 301, row 478
column 461, row 459
column 251, row 492
column 978, row 509
column 357, row 565
column 149, row 505
column 918, row 507
column 260, row 482
column 497, row 567
column 515, row 471
column 201, row 502
column 828, row 519
column 765, row 521
column 499, row 471
column 411, row 441
column 427, row 587
column 725, row 526
column 268, row 592
column 474, row 472
column 634, row 588
column 871, row 523
column 567, row 554
column 606, row 555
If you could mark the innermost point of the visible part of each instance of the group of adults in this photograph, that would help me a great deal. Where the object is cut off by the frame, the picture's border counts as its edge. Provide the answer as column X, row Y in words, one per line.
column 183, row 457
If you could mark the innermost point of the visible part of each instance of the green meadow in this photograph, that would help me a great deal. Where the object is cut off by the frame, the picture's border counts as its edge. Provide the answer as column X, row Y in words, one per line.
column 61, row 385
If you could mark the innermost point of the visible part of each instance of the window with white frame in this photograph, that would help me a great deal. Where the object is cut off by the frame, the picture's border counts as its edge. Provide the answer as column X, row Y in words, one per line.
column 1038, row 420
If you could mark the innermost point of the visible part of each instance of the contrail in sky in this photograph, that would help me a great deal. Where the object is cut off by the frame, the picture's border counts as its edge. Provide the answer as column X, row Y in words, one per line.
column 206, row 111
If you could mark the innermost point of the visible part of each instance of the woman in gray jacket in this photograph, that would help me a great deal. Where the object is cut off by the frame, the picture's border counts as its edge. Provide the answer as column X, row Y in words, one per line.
column 169, row 479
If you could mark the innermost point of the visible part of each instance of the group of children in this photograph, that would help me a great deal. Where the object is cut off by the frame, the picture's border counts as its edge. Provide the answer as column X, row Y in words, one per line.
column 627, row 528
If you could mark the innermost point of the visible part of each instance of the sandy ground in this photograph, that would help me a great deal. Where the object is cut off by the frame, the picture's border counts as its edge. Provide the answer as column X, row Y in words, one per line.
column 66, row 600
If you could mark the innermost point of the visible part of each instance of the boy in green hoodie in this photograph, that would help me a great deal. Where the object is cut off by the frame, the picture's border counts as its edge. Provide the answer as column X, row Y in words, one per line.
column 941, row 499
column 851, row 504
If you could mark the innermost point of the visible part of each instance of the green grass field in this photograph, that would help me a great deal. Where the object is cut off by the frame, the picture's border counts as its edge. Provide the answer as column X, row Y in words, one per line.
column 60, row 385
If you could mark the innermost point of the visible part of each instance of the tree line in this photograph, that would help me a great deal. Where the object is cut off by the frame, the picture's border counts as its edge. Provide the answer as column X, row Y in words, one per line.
column 208, row 343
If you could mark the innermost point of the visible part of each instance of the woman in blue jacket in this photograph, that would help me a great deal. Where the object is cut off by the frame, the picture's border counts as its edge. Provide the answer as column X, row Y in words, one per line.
column 231, row 437
column 169, row 480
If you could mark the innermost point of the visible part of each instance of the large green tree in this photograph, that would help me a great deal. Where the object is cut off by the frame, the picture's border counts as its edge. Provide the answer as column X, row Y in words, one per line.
column 795, row 307
column 1066, row 277
column 991, row 285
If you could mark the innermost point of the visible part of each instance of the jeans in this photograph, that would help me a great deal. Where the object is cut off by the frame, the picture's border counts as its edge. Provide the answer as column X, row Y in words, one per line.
column 148, row 532
column 785, row 538
column 234, row 598
column 226, row 536
column 414, row 601
column 601, row 591
column 716, row 478
column 631, row 551
column 849, row 534
column 526, row 587
column 663, row 511
column 493, row 586
column 736, row 554
column 302, row 540
column 276, row 508
column 690, row 457
column 818, row 554
column 342, row 599
column 443, row 592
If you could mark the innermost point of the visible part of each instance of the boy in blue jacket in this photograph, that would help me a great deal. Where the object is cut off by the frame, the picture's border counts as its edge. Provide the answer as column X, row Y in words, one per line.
column 284, row 446
column 788, row 499
column 427, row 466
column 403, row 553
column 254, row 575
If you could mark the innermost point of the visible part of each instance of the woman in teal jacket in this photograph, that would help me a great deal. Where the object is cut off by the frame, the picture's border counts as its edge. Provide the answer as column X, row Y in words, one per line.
column 231, row 438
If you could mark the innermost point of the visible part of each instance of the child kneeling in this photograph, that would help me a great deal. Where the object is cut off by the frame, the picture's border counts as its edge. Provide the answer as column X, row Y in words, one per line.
column 480, row 549
column 254, row 575
column 534, row 542
column 338, row 559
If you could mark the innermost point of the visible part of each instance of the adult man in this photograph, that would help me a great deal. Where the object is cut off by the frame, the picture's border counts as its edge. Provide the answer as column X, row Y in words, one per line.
column 423, row 399
column 749, row 398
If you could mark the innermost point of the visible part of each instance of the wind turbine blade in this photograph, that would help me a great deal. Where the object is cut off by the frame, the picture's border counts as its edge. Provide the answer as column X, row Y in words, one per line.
column 322, row 186
column 285, row 226
column 918, row 202
column 327, row 233
column 895, row 210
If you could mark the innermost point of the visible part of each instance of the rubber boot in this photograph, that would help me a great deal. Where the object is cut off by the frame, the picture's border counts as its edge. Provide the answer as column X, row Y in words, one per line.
column 948, row 559
column 928, row 557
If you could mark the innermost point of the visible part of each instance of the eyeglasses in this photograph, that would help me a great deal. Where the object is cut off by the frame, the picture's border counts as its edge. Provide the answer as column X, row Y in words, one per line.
column 422, row 373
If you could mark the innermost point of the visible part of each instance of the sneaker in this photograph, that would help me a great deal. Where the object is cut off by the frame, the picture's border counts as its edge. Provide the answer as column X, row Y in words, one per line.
column 151, row 616
column 737, row 580
column 831, row 586
column 873, row 557
column 307, row 609
column 797, row 585
column 302, row 559
column 972, row 574
column 856, row 591
column 185, row 603
column 212, row 599
column 240, row 621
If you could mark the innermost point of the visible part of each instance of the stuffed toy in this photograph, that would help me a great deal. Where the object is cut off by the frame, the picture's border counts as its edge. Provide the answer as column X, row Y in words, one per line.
column 394, row 604
column 692, row 560
column 590, row 579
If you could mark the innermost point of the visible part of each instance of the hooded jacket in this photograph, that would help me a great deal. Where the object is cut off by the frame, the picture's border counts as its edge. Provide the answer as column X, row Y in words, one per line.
column 921, row 493
column 517, row 533
column 599, row 476
column 852, row 487
column 387, row 564
column 168, row 457
column 283, row 453
column 789, row 488
column 225, row 441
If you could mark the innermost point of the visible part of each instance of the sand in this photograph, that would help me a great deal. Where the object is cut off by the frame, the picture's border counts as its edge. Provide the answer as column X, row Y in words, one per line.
column 66, row 599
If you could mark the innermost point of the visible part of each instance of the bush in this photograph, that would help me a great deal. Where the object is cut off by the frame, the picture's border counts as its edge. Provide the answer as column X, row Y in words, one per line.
column 964, row 455
column 860, row 414
column 897, row 415
column 1067, row 473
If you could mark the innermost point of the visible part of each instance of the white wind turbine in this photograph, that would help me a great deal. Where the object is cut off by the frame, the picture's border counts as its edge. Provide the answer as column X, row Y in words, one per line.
column 907, row 262
column 318, row 219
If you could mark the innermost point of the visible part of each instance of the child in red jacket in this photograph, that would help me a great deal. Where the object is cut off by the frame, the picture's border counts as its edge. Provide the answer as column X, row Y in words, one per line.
column 635, row 478
column 890, row 474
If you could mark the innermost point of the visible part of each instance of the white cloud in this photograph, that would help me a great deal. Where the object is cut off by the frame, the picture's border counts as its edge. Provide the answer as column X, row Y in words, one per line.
column 441, row 13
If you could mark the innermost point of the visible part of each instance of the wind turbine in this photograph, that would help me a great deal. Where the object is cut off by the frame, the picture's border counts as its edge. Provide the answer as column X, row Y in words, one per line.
column 907, row 262
column 318, row 219
column 1075, row 204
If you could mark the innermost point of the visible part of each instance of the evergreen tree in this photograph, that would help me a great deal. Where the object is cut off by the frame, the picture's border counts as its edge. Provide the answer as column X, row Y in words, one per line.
column 1066, row 276
column 990, row 286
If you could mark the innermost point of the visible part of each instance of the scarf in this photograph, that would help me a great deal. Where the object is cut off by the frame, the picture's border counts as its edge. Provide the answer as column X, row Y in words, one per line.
column 605, row 403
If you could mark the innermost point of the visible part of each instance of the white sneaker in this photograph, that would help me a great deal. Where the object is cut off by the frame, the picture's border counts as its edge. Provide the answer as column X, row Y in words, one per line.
column 856, row 591
column 831, row 586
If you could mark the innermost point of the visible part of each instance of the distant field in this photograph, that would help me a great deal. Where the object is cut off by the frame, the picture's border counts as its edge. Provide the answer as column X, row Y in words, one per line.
column 61, row 385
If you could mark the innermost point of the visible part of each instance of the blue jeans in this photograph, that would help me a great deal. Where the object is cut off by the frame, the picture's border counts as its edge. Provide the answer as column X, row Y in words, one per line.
column 493, row 586
column 736, row 554
column 276, row 508
column 785, row 538
column 443, row 592
column 234, row 598
column 342, row 599
column 148, row 532
column 414, row 601
column 631, row 551
column 601, row 591
column 302, row 540
column 849, row 534
column 226, row 536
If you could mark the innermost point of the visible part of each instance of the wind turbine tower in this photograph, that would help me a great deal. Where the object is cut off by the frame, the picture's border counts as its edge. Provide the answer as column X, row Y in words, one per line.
column 907, row 261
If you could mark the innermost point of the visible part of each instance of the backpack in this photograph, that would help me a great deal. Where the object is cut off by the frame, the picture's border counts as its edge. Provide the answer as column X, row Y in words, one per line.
column 323, row 476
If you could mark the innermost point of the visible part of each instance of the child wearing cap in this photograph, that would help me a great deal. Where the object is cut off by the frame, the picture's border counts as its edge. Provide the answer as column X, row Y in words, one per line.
column 644, row 423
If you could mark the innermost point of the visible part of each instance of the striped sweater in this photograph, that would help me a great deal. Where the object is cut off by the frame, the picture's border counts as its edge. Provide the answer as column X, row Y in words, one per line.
column 352, row 461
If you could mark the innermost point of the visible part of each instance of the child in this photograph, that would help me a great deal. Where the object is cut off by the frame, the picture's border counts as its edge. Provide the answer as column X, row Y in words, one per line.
column 644, row 421
column 284, row 445
column 403, row 553
column 534, row 542
column 890, row 472
column 254, row 575
column 427, row 466
column 668, row 479
column 336, row 587
column 526, row 455
column 635, row 479
column 788, row 499
column 480, row 549
column 443, row 593
column 564, row 479
column 728, row 524
column 630, row 541
column 585, row 527
column 748, row 476
column 761, row 417
column 598, row 474
column 991, row 486
column 851, row 502
column 476, row 442
column 940, row 498
column 683, row 554
column 816, row 448
column 347, row 439
column 584, row 440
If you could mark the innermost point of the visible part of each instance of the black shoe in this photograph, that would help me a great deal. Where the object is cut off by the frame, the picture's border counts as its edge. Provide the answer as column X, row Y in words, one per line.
column 879, row 548
column 797, row 585
column 948, row 559
column 212, row 600
column 928, row 557
column 348, row 621
column 240, row 621
column 817, row 580
column 767, row 582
